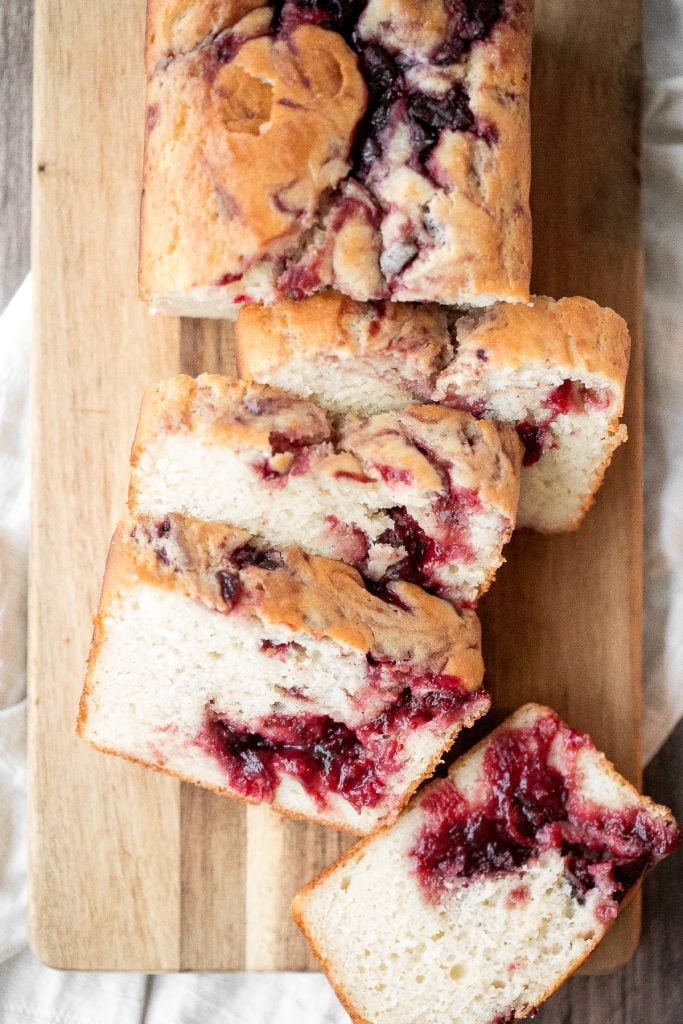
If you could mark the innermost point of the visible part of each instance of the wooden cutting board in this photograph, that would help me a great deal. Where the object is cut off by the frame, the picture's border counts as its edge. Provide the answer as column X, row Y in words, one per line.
column 131, row 870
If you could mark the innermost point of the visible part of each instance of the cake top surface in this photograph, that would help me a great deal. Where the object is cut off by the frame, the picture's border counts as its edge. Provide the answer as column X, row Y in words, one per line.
column 574, row 335
column 212, row 103
column 379, row 147
column 330, row 324
column 232, row 412
column 433, row 446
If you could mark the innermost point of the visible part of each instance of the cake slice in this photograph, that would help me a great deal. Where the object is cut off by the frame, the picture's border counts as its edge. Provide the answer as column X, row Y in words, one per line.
column 358, row 357
column 493, row 886
column 381, row 148
column 427, row 493
column 272, row 676
column 555, row 370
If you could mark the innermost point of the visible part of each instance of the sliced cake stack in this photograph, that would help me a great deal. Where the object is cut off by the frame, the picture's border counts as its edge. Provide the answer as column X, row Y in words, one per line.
column 266, row 626
column 270, row 675
column 555, row 371
column 288, row 610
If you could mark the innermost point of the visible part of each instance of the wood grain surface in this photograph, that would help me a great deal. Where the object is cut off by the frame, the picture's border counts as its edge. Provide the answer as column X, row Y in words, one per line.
column 131, row 870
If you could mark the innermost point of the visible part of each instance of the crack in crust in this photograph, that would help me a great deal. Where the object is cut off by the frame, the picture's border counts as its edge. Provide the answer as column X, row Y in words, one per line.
column 379, row 147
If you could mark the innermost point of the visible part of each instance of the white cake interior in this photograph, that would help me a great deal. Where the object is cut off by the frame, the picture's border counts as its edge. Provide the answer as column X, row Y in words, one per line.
column 343, row 386
column 166, row 658
column 556, row 489
column 497, row 944
column 472, row 957
column 315, row 510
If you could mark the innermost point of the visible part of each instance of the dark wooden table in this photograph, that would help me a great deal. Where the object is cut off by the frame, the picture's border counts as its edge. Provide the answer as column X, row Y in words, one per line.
column 650, row 988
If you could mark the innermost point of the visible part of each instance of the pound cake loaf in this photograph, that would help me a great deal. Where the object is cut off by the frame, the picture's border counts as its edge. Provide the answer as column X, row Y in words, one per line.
column 426, row 494
column 379, row 147
column 493, row 886
column 555, row 370
column 273, row 676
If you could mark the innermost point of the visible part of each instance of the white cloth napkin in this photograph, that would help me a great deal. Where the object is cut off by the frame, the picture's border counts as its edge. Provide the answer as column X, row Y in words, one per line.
column 663, row 237
column 33, row 994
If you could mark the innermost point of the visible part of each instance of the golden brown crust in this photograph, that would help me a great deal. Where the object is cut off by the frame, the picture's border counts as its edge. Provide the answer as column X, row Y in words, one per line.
column 246, row 186
column 238, row 154
column 327, row 599
column 575, row 334
column 227, row 411
column 316, row 596
column 329, row 324
column 177, row 26
column 484, row 457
